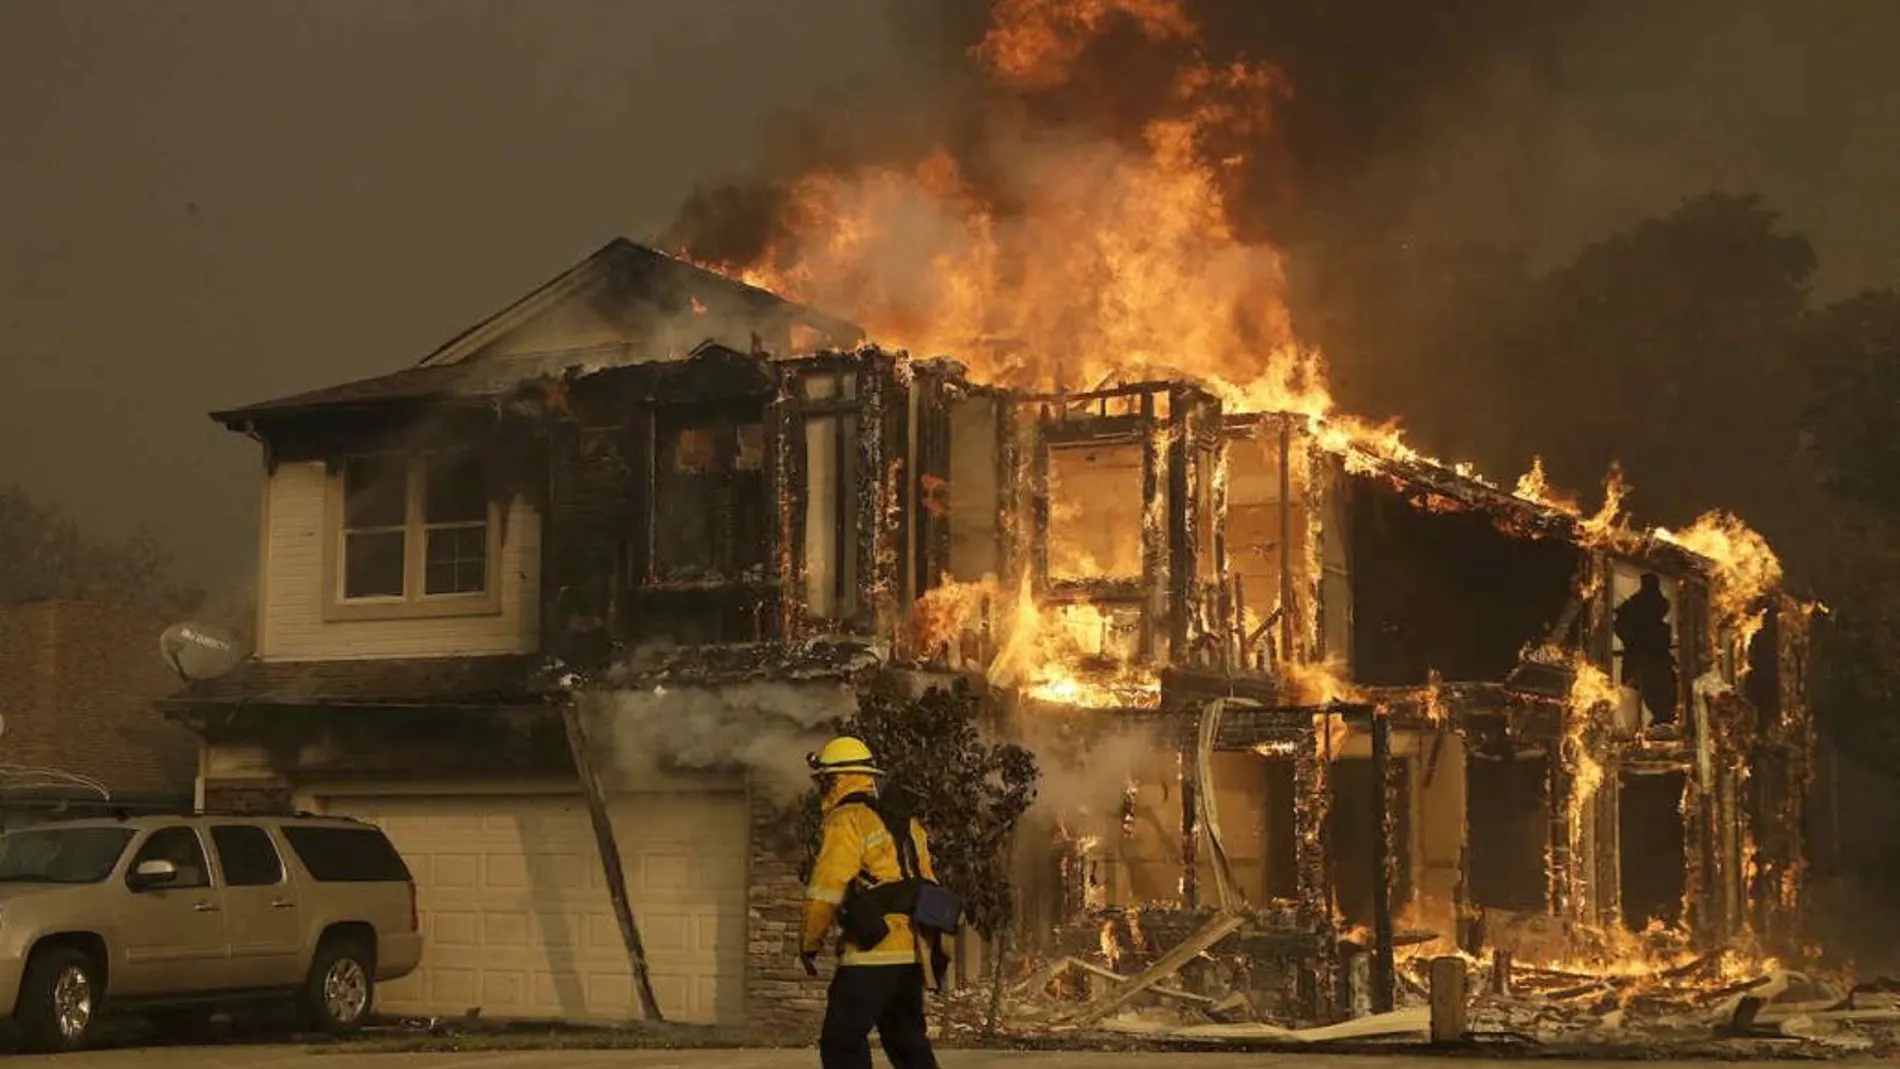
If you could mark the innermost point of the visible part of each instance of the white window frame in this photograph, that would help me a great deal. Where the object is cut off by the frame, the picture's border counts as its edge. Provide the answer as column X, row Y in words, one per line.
column 413, row 602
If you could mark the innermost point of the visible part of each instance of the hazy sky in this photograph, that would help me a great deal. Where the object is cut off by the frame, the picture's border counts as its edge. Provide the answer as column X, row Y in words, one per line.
column 205, row 203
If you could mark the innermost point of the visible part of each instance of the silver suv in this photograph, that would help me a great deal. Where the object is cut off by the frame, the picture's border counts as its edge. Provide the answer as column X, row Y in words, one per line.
column 179, row 916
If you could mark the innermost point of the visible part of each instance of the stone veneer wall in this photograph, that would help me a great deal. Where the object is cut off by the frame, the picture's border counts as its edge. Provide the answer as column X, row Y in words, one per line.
column 779, row 997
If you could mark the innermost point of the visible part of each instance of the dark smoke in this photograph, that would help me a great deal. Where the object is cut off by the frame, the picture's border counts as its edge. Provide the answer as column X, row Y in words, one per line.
column 1362, row 74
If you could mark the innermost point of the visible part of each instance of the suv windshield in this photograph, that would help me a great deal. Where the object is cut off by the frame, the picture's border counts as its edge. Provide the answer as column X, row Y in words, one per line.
column 61, row 855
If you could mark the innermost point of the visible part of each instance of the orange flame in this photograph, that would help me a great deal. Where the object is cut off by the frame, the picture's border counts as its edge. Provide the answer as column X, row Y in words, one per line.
column 1077, row 261
column 1071, row 653
column 1744, row 568
column 1035, row 43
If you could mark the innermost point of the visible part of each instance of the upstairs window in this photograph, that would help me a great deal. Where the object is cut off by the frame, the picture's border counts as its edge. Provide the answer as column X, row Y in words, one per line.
column 415, row 528
column 709, row 482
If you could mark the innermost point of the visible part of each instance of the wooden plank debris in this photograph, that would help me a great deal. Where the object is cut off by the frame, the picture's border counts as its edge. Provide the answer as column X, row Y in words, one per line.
column 1226, row 887
column 611, row 867
column 1164, row 966
column 1412, row 1022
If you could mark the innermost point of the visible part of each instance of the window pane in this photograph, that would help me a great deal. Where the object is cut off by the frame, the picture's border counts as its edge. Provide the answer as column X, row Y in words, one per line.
column 347, row 855
column 693, row 451
column 247, row 856
column 751, row 456
column 457, row 560
column 372, row 564
column 455, row 488
column 375, row 491
column 63, row 855
column 180, row 847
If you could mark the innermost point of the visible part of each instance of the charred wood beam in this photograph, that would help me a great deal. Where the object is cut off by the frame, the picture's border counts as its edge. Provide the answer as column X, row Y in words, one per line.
column 889, row 531
column 1384, row 974
column 1285, row 608
column 1134, row 389
column 784, row 459
column 934, row 448
column 1181, row 524
column 1105, row 590
column 1093, row 430
column 1010, row 478
column 1152, row 559
column 1312, row 856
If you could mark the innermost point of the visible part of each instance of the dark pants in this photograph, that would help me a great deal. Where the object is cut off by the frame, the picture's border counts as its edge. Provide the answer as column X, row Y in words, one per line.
column 889, row 997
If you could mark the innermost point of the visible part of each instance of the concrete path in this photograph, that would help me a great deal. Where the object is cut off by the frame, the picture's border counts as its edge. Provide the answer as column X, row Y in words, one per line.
column 289, row 1057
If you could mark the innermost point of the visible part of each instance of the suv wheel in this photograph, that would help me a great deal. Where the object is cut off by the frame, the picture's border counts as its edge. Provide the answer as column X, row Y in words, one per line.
column 341, row 986
column 60, row 998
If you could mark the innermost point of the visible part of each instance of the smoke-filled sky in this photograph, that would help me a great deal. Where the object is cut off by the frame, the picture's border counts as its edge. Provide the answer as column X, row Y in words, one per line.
column 212, row 201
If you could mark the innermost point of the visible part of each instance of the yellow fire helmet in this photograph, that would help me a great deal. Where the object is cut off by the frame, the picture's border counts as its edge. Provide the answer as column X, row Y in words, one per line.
column 843, row 754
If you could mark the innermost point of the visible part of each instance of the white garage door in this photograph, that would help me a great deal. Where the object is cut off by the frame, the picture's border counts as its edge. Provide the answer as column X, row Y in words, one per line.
column 516, row 915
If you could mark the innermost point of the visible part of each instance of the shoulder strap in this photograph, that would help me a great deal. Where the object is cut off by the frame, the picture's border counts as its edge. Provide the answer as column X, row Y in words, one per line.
column 897, row 824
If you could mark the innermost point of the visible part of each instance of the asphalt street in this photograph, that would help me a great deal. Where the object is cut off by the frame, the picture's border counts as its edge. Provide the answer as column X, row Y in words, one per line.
column 285, row 1057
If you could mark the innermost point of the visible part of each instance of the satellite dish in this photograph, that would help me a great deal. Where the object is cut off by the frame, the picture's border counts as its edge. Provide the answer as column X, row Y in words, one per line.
column 198, row 652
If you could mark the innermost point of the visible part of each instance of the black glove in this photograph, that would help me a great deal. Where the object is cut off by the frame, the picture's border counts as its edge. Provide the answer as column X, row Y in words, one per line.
column 809, row 960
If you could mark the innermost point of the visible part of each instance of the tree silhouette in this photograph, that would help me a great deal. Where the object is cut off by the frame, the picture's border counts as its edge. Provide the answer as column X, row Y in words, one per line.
column 46, row 555
column 1668, row 348
column 1852, row 349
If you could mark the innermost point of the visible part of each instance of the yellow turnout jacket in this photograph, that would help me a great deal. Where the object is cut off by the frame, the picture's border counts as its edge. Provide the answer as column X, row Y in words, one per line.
column 856, row 845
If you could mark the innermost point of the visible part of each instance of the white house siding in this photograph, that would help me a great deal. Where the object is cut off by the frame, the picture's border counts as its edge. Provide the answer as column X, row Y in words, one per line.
column 292, row 625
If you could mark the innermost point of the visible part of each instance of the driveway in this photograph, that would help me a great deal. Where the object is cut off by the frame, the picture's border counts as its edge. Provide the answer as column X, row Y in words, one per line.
column 284, row 1057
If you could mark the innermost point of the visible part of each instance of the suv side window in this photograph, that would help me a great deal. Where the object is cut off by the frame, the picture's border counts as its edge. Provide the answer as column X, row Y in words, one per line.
column 180, row 846
column 346, row 855
column 247, row 855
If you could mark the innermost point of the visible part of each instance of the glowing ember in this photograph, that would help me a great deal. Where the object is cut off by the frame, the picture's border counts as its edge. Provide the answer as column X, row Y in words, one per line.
column 1111, row 944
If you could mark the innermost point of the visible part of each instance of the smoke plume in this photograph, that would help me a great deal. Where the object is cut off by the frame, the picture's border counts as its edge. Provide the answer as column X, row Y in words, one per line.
column 1089, row 775
column 763, row 728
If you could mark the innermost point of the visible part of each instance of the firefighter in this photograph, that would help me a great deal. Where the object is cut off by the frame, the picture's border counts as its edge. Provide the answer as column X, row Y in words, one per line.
column 860, row 880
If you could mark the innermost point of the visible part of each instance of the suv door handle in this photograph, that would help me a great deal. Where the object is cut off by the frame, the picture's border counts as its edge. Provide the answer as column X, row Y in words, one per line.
column 205, row 907
column 282, row 904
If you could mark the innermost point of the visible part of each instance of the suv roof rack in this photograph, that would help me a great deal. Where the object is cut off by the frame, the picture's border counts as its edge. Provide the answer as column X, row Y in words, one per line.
column 295, row 814
column 251, row 814
column 122, row 814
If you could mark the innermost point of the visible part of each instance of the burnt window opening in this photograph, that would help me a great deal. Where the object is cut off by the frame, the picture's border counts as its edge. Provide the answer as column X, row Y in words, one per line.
column 709, row 515
column 1445, row 590
column 1281, row 880
column 1508, row 822
column 414, row 526
column 1265, row 532
column 831, row 497
column 1354, row 839
column 974, row 496
column 1095, row 511
column 1654, row 874
column 1645, row 643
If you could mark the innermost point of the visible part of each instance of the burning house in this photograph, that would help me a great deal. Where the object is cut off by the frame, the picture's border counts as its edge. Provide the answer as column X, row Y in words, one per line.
column 1382, row 702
